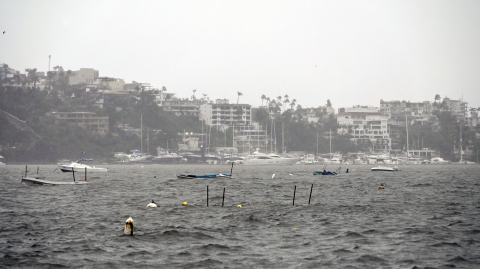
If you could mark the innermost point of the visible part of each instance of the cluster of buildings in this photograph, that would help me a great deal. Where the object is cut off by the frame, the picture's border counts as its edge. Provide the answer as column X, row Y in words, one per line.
column 376, row 128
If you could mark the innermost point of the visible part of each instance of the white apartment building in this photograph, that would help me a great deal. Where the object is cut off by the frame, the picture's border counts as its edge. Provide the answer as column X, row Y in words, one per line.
column 419, row 112
column 84, row 75
column 249, row 138
column 221, row 113
column 367, row 126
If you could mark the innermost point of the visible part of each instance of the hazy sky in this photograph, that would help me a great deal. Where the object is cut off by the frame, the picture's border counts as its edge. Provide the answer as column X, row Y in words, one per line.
column 351, row 52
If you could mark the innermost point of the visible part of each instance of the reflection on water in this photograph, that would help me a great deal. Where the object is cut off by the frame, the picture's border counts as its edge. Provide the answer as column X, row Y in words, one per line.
column 427, row 216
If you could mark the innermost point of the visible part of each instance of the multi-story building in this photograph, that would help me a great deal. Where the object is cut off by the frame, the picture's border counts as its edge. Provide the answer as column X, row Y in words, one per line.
column 458, row 108
column 367, row 126
column 249, row 138
column 181, row 106
column 221, row 113
column 84, row 75
column 87, row 120
column 419, row 112
column 313, row 114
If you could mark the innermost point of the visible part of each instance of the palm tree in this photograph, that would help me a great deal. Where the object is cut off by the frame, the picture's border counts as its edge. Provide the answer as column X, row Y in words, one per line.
column 238, row 98
column 267, row 104
column 279, row 98
column 193, row 96
column 263, row 98
column 293, row 103
column 32, row 76
column 285, row 102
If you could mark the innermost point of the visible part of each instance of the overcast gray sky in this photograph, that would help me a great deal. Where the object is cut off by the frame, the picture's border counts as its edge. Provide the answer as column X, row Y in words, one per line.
column 351, row 52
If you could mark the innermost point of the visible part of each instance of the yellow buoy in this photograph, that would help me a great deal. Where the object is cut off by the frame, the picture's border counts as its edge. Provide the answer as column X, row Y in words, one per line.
column 239, row 206
column 185, row 203
column 381, row 187
column 304, row 204
column 296, row 229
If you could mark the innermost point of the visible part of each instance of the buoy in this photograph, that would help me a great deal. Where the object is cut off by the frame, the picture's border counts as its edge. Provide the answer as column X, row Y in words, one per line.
column 154, row 176
column 273, row 176
column 239, row 206
column 129, row 226
column 152, row 204
column 296, row 229
column 353, row 170
column 304, row 204
column 381, row 187
column 185, row 204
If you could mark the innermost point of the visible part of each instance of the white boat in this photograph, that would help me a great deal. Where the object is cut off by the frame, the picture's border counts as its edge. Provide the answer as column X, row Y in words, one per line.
column 385, row 169
column 309, row 159
column 78, row 166
column 438, row 160
column 136, row 156
column 258, row 158
column 335, row 160
column 120, row 155
column 1, row 160
column 372, row 159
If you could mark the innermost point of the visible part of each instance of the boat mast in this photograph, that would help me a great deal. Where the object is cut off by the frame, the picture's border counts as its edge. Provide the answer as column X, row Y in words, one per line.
column 461, row 127
column 406, row 127
column 141, row 133
column 330, row 143
column 283, row 144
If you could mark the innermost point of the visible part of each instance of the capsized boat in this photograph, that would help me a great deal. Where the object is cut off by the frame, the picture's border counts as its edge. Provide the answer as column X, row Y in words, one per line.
column 385, row 169
column 78, row 166
column 207, row 176
column 36, row 181
column 324, row 172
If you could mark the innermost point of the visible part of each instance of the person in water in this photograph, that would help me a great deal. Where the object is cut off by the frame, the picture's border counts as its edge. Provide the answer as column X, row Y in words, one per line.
column 324, row 172
column 347, row 170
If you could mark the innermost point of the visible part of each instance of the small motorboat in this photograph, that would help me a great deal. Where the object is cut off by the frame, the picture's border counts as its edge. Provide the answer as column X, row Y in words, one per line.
column 78, row 166
column 385, row 169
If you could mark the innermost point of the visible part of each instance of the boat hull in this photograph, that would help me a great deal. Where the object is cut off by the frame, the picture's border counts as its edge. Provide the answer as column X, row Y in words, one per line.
column 82, row 169
column 40, row 182
column 204, row 176
column 263, row 162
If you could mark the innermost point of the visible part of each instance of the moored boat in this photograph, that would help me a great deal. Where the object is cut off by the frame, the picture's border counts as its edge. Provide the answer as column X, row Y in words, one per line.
column 78, row 166
column 385, row 169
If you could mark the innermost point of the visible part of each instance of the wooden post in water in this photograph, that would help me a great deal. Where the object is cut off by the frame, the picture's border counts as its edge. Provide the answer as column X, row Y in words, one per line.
column 207, row 195
column 85, row 174
column 294, row 190
column 310, row 194
column 223, row 199
column 25, row 170
column 73, row 171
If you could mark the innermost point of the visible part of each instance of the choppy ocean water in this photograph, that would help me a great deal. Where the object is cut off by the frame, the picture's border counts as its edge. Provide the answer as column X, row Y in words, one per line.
column 427, row 217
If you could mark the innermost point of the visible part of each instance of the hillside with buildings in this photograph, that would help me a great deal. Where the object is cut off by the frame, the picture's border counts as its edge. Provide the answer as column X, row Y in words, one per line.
column 108, row 115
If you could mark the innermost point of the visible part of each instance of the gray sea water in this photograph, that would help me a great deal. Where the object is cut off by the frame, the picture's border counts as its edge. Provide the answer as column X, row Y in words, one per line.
column 426, row 217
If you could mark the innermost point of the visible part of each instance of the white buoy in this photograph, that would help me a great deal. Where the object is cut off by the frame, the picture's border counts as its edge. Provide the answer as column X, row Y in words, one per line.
column 129, row 226
column 273, row 176
column 152, row 204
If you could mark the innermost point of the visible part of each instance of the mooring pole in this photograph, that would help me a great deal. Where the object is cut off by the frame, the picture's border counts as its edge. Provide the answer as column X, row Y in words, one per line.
column 223, row 199
column 25, row 170
column 73, row 171
column 207, row 195
column 85, row 174
column 294, row 190
column 310, row 194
